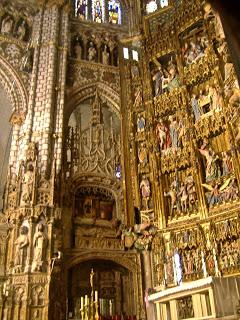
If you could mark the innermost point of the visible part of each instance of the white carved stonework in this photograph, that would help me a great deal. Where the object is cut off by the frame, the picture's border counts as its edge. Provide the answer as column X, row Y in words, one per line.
column 93, row 142
column 39, row 248
column 21, row 250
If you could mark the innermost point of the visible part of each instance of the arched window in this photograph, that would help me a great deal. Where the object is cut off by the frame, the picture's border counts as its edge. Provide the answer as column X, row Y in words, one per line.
column 81, row 9
column 163, row 3
column 151, row 6
column 98, row 10
column 114, row 12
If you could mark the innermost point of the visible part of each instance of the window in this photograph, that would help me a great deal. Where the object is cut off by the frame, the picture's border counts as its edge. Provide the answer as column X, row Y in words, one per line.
column 125, row 53
column 114, row 12
column 81, row 9
column 151, row 6
column 135, row 55
column 98, row 11
column 163, row 3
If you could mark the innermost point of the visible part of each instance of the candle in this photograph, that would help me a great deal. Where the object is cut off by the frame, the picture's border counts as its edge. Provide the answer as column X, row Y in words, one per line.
column 82, row 302
column 86, row 300
column 96, row 296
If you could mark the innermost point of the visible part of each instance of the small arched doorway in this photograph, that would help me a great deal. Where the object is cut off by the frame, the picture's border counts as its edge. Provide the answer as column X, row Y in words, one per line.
column 112, row 287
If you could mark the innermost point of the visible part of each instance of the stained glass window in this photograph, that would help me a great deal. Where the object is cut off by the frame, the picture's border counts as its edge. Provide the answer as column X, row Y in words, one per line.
column 163, row 3
column 98, row 11
column 81, row 9
column 114, row 11
column 151, row 6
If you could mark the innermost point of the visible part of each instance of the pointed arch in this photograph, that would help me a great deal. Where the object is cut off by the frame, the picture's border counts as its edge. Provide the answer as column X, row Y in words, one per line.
column 83, row 93
column 14, row 87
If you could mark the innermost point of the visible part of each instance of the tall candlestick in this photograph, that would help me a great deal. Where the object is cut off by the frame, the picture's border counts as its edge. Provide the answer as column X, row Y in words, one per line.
column 82, row 302
column 96, row 295
column 86, row 300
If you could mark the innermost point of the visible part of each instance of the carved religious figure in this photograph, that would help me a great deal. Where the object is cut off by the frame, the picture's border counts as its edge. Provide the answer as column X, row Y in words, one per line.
column 197, row 110
column 39, row 245
column 92, row 52
column 27, row 185
column 163, row 135
column 21, row 30
column 21, row 248
column 105, row 56
column 141, row 122
column 172, row 193
column 7, row 25
column 142, row 154
column 145, row 191
column 78, row 51
column 212, row 167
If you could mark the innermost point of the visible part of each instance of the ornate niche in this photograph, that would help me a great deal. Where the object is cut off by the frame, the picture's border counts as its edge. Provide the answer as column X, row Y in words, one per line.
column 165, row 75
column 94, row 203
column 93, row 140
column 217, row 161
column 96, row 219
column 180, row 194
column 198, row 58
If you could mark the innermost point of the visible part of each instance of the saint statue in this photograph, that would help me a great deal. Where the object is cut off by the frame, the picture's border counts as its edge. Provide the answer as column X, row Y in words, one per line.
column 39, row 245
column 197, row 110
column 21, row 244
column 7, row 25
column 21, row 30
column 105, row 56
column 27, row 185
column 145, row 190
column 92, row 52
column 78, row 51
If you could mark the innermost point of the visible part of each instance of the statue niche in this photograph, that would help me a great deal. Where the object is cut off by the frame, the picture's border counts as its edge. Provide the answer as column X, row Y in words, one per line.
column 21, row 250
column 39, row 248
column 94, row 204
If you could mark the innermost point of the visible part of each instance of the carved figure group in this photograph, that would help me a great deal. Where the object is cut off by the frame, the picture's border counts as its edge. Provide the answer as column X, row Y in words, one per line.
column 170, row 133
column 207, row 101
column 165, row 78
column 218, row 193
column 18, row 29
column 194, row 49
column 183, row 197
column 229, row 259
column 216, row 165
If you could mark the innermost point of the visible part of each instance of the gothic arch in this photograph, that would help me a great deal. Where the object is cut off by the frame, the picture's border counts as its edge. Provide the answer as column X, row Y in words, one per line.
column 99, row 181
column 87, row 91
column 130, row 263
column 112, row 186
column 14, row 87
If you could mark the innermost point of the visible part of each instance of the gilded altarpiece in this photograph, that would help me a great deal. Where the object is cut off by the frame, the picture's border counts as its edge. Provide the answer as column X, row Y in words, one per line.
column 182, row 112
